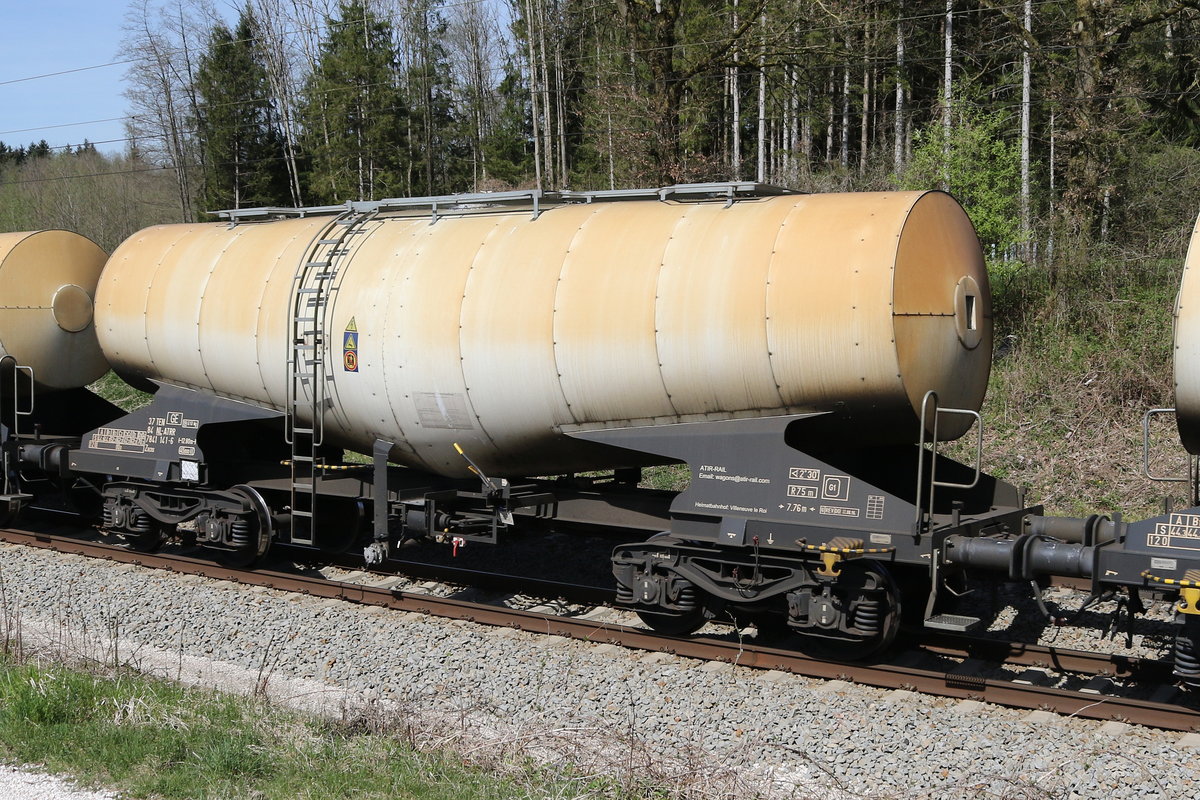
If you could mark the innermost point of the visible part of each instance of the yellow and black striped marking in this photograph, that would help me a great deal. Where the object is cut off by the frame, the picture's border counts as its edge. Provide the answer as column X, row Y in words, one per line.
column 842, row 548
column 1189, row 589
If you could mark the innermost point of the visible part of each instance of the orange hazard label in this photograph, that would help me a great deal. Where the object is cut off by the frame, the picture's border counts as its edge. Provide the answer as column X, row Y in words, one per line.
column 350, row 347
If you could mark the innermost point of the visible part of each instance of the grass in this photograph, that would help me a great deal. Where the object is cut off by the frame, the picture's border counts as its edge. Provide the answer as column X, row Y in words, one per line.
column 1080, row 357
column 154, row 739
column 120, row 393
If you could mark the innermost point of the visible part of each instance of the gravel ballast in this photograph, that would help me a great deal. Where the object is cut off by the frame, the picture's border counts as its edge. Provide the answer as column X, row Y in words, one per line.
column 710, row 729
column 25, row 783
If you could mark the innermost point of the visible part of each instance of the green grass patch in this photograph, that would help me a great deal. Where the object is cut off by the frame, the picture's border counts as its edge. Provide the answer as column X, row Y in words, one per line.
column 120, row 393
column 1082, row 351
column 150, row 738
column 672, row 477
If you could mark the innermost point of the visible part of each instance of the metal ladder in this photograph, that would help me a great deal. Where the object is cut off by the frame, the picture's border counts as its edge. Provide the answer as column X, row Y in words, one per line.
column 13, row 494
column 312, row 289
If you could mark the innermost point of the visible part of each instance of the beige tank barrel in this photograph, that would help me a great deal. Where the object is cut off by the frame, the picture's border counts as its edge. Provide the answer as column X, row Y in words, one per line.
column 1187, row 348
column 503, row 330
column 47, row 282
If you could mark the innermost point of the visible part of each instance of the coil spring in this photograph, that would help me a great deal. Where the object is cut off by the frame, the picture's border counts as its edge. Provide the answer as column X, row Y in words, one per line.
column 239, row 533
column 624, row 593
column 1187, row 660
column 868, row 616
column 107, row 515
column 687, row 598
column 139, row 522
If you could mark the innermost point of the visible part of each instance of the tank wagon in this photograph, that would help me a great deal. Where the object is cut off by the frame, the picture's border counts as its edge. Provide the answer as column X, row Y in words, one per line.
column 47, row 281
column 806, row 356
column 48, row 352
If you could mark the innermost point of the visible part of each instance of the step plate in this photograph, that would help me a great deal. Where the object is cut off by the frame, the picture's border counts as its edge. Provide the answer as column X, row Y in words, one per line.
column 953, row 622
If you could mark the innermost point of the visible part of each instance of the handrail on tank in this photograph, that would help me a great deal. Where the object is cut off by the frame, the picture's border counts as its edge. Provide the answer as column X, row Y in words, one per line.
column 1154, row 412
column 17, row 370
column 18, row 412
column 728, row 191
column 933, row 481
column 1193, row 463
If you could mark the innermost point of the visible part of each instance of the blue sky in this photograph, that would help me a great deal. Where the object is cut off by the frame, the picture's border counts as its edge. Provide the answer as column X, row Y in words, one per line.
column 40, row 37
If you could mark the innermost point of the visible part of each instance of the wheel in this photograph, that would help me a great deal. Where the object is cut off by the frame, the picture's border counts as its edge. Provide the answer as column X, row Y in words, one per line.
column 261, row 530
column 876, row 616
column 675, row 624
column 144, row 534
column 771, row 630
column 144, row 541
column 1187, row 650
column 681, row 624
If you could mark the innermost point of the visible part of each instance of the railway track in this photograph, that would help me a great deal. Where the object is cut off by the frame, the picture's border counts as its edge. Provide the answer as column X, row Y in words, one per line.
column 953, row 678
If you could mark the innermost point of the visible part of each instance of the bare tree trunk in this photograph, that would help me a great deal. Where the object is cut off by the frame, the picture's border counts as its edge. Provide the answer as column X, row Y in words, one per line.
column 560, row 104
column 784, row 143
column 472, row 47
column 408, row 162
column 533, row 94
column 612, row 167
column 761, row 170
column 186, row 78
column 898, row 161
column 794, row 130
column 547, row 127
column 1026, row 86
column 832, row 90
column 806, row 132
column 1105, row 208
column 866, row 101
column 846, row 105
column 947, row 89
column 274, row 28
column 160, row 82
column 735, row 146
column 1053, row 198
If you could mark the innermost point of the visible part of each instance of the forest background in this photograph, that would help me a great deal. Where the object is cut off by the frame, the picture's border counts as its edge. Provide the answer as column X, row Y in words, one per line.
column 1069, row 130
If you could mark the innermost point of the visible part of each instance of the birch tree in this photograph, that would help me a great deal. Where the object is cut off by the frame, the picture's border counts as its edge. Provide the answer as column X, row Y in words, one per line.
column 476, row 50
column 242, row 150
column 164, row 43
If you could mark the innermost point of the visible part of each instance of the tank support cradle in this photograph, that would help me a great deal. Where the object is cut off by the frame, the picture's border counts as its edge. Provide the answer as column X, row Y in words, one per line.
column 454, row 514
column 377, row 551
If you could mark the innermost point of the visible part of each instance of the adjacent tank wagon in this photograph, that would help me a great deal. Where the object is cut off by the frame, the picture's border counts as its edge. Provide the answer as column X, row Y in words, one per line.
column 47, row 282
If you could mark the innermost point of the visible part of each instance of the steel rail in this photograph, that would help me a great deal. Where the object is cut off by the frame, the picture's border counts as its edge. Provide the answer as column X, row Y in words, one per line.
column 541, row 587
column 889, row 676
column 956, row 645
column 1081, row 662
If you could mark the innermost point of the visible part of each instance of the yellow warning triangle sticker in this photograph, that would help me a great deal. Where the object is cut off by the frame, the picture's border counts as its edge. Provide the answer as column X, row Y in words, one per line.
column 351, row 326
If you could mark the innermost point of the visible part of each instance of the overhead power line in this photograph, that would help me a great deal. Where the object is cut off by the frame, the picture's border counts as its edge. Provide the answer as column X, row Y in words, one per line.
column 28, row 78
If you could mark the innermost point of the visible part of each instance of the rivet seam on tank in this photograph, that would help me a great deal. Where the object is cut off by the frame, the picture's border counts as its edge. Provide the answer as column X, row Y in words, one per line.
column 554, row 311
column 149, row 289
column 766, row 294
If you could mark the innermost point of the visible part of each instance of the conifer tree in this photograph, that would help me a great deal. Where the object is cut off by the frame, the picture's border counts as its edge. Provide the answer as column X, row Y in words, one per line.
column 353, row 111
column 241, row 148
column 506, row 149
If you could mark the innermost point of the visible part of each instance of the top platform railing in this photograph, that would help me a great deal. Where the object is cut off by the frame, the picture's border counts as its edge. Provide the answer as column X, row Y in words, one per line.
column 534, row 199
